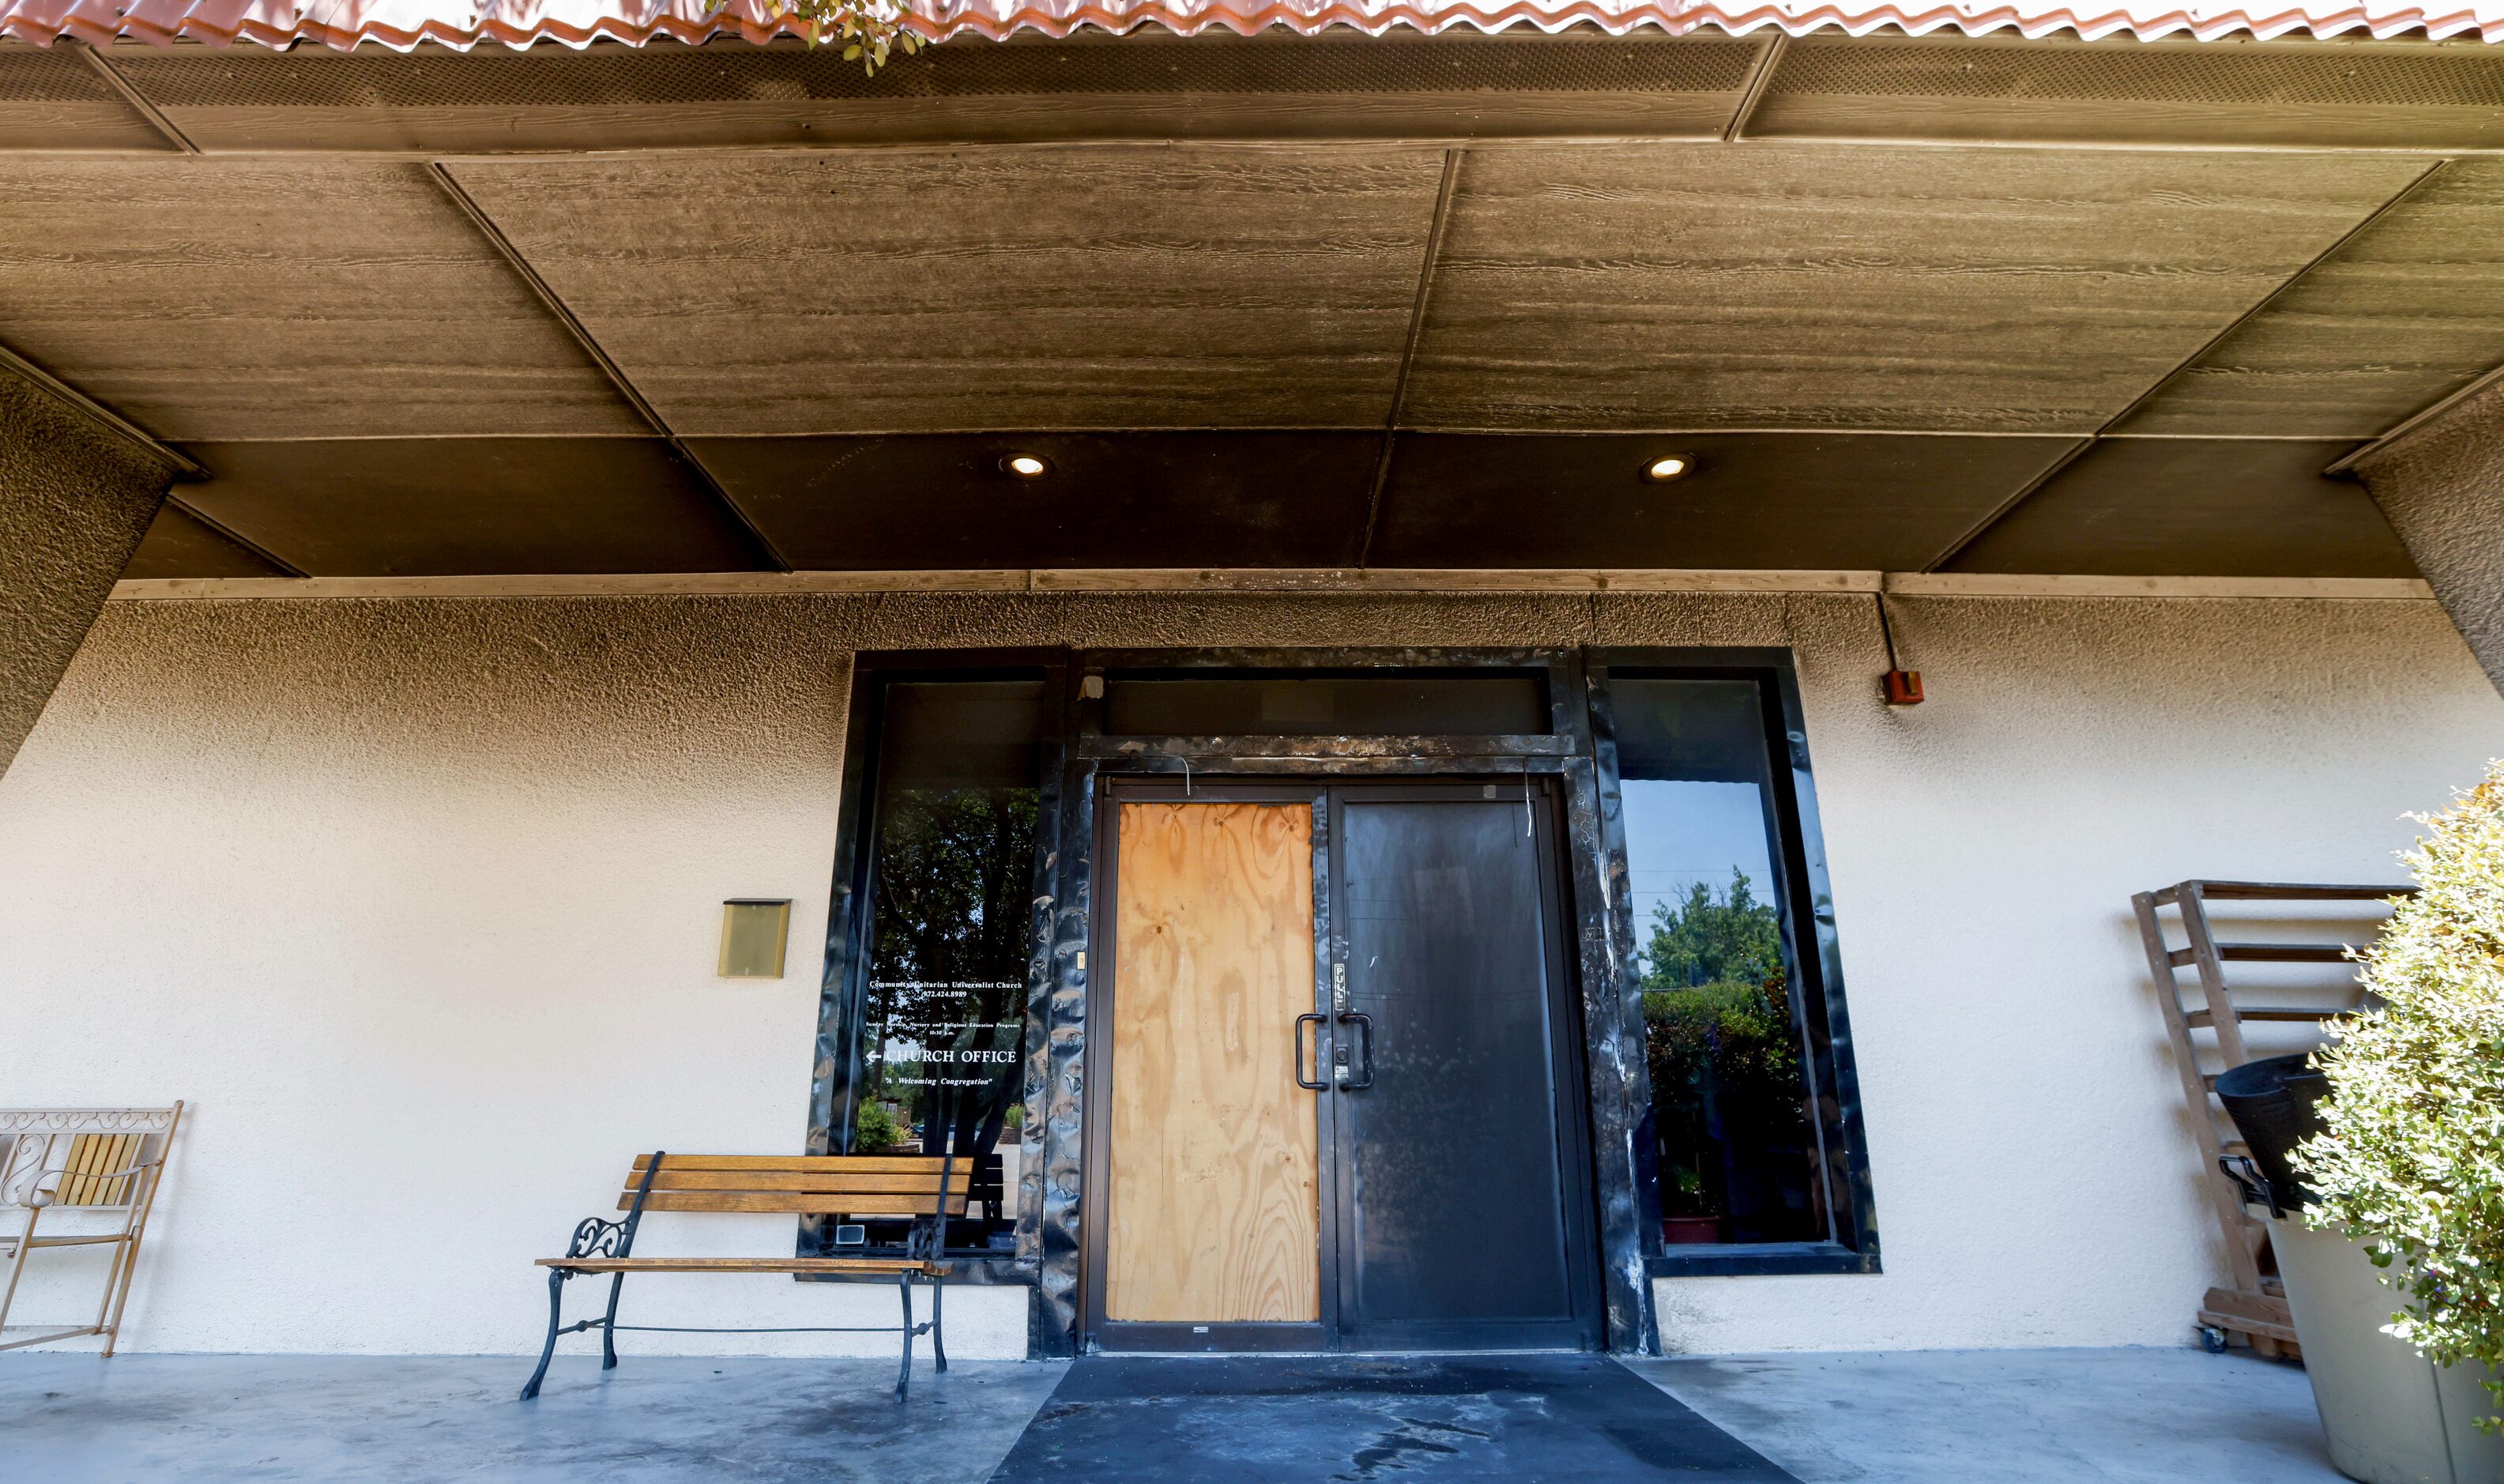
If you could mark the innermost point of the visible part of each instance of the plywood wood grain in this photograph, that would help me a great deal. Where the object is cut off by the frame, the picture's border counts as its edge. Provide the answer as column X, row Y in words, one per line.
column 960, row 290
column 1792, row 286
column 2400, row 318
column 248, row 298
column 1213, row 1197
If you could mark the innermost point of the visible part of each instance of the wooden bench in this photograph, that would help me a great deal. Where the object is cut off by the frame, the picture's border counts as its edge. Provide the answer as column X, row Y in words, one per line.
column 925, row 1188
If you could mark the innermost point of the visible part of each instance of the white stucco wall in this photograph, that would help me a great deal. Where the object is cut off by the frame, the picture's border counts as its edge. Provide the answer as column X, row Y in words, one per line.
column 415, row 902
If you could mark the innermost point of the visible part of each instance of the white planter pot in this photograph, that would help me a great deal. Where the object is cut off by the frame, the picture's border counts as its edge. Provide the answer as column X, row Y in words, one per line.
column 2391, row 1417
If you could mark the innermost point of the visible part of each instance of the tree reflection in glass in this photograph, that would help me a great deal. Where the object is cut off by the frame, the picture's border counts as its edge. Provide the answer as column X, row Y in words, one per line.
column 1736, row 1148
column 952, row 880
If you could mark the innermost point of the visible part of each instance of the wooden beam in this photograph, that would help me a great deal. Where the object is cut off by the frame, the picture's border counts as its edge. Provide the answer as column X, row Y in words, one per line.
column 600, row 356
column 1282, row 581
column 186, row 467
column 2031, row 487
column 138, row 103
column 2414, row 422
column 238, row 538
column 1408, row 350
column 1759, row 83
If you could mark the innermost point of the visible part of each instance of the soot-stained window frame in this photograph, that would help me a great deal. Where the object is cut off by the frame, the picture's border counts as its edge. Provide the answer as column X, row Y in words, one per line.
column 1580, row 748
column 843, row 988
column 1811, row 948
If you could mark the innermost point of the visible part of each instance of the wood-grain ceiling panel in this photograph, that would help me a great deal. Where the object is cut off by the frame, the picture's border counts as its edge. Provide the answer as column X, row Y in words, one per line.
column 1105, row 500
column 1774, row 500
column 245, row 298
column 2196, row 507
column 383, row 507
column 917, row 291
column 179, row 544
column 53, row 98
column 2390, row 95
column 1795, row 287
column 2408, row 312
column 1090, row 84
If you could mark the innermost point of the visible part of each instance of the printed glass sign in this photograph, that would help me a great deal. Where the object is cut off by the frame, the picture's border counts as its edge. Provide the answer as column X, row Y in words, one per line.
column 952, row 886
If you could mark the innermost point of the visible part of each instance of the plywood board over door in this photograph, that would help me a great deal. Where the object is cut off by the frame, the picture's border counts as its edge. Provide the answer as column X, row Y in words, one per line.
column 1214, row 1204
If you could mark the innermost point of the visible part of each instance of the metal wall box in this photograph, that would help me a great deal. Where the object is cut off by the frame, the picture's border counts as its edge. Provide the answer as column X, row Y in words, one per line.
column 753, row 936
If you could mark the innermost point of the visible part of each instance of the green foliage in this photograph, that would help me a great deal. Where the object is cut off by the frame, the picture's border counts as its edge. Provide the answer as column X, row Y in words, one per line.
column 2411, row 1159
column 874, row 1130
column 1725, row 1062
column 954, row 887
column 1736, row 940
column 869, row 29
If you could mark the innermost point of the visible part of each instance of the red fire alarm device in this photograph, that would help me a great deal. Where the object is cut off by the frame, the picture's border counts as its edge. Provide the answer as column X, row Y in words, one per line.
column 1903, row 687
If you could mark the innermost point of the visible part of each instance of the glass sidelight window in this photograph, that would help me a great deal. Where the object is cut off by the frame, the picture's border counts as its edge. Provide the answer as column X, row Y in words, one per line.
column 1723, row 1045
column 1729, row 1027
column 974, row 800
column 939, row 1024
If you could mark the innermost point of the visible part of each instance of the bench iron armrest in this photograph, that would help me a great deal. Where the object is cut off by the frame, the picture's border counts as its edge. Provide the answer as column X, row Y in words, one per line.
column 927, row 1238
column 598, row 1238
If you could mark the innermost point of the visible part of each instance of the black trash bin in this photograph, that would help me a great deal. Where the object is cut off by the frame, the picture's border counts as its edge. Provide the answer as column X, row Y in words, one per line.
column 2273, row 1103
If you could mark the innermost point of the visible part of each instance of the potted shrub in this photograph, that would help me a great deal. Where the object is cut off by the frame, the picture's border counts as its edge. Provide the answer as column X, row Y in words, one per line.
column 2406, row 1178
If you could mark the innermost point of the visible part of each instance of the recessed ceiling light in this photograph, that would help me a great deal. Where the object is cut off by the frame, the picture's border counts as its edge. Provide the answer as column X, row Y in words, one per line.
column 1669, row 467
column 1025, row 465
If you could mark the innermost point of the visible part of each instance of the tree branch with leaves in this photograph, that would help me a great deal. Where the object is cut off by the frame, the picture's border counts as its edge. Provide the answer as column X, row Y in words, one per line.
column 870, row 31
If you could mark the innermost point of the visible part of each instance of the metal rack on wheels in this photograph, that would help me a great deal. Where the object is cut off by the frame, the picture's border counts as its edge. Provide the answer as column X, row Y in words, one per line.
column 2255, row 1306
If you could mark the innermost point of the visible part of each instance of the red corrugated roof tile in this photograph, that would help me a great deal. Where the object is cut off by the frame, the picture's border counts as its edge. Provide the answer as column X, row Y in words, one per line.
column 405, row 23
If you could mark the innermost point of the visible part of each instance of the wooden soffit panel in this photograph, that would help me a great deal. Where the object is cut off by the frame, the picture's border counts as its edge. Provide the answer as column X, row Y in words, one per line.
column 1788, row 286
column 1155, row 86
column 179, row 544
column 402, row 23
column 412, row 508
column 1779, row 499
column 236, row 299
column 2208, row 508
column 2408, row 312
column 53, row 99
column 2007, row 88
column 913, row 291
column 1105, row 500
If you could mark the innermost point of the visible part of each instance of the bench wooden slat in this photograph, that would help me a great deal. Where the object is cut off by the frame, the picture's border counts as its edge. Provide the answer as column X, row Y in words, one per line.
column 883, row 1164
column 742, row 1264
column 793, row 1202
column 672, row 1178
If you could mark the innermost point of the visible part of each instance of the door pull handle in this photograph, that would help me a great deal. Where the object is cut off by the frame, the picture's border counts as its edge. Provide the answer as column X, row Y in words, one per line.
column 1310, row 1084
column 1364, row 1024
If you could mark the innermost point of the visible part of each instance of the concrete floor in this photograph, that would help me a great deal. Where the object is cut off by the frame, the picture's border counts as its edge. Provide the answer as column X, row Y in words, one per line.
column 153, row 1417
column 2009, row 1417
column 2014, row 1416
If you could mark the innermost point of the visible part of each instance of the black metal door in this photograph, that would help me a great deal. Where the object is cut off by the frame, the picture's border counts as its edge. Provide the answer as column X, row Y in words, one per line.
column 1462, row 1186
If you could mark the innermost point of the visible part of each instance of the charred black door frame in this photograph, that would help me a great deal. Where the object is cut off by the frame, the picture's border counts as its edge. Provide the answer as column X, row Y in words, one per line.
column 1340, row 1327
column 1054, row 1184
column 1580, row 1326
column 1576, row 751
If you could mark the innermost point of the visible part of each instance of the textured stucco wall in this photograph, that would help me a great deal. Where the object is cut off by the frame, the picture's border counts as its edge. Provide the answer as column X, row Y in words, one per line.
column 2442, row 488
column 417, row 902
column 74, row 503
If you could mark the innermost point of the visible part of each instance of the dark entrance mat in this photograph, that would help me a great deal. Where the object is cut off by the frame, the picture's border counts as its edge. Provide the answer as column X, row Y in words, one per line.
column 1572, row 1417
